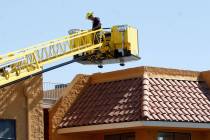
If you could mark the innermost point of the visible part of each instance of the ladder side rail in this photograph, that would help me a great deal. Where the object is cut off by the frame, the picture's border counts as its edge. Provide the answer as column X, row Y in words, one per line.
column 42, row 44
column 37, row 57
column 63, row 48
column 49, row 43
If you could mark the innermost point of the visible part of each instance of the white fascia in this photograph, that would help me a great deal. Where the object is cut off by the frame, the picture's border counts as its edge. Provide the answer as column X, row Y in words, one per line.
column 134, row 124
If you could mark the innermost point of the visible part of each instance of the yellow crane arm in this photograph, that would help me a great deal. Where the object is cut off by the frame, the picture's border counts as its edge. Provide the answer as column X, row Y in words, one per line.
column 118, row 45
column 21, row 63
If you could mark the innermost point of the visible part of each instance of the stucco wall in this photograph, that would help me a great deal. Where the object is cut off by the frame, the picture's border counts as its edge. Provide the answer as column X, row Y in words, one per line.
column 57, row 112
column 13, row 106
column 22, row 102
column 34, row 94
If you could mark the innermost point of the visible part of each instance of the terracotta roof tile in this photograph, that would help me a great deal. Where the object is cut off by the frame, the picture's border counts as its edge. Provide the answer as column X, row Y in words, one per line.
column 140, row 99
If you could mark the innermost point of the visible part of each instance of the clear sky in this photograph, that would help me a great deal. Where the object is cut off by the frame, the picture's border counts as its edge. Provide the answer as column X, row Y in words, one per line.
column 174, row 34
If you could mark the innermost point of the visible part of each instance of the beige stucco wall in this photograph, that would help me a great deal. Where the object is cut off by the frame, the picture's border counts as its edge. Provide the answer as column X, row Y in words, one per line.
column 22, row 102
column 13, row 106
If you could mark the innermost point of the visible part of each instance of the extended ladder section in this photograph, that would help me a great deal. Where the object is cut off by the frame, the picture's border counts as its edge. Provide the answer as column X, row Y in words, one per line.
column 117, row 45
column 18, row 64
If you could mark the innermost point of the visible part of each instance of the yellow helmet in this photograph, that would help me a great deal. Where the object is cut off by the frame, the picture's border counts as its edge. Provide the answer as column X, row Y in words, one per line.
column 89, row 14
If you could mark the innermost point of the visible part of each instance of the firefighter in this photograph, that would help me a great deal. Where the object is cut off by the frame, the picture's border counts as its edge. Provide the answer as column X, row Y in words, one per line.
column 96, row 21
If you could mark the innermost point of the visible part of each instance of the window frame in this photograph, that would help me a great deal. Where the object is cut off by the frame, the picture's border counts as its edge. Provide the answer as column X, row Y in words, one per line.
column 13, row 122
column 174, row 134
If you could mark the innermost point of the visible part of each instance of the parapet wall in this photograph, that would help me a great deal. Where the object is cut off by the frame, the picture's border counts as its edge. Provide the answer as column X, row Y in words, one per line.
column 205, row 76
column 152, row 72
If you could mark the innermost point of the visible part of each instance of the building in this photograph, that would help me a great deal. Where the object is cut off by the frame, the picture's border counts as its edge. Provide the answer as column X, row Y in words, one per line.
column 143, row 103
column 21, row 115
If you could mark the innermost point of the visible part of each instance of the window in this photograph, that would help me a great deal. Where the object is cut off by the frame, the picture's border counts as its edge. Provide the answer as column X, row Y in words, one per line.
column 173, row 136
column 7, row 130
column 124, row 136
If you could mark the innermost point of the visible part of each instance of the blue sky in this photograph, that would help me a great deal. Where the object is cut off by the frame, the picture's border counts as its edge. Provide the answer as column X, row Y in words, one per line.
column 174, row 34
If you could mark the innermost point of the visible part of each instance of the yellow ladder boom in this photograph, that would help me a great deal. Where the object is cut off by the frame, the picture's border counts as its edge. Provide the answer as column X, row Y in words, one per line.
column 94, row 46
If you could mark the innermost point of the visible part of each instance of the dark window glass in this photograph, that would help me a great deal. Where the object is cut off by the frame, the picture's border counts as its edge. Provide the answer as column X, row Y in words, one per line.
column 129, row 136
column 7, row 130
column 124, row 136
column 112, row 137
column 182, row 136
column 173, row 136
column 165, row 136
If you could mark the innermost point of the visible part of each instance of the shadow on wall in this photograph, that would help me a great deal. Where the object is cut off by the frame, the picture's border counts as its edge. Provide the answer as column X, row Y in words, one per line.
column 34, row 91
column 9, row 96
column 22, row 102
column 13, row 99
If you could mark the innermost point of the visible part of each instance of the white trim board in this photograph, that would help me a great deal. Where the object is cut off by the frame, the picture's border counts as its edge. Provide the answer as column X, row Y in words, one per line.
column 133, row 125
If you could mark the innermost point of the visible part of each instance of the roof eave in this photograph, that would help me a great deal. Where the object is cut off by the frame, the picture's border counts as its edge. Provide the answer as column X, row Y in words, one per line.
column 135, row 124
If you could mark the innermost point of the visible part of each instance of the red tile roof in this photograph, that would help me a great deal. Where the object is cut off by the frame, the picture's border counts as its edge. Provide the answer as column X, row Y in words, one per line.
column 154, row 99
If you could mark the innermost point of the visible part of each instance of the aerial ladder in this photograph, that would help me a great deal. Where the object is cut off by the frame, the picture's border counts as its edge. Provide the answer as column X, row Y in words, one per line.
column 118, row 44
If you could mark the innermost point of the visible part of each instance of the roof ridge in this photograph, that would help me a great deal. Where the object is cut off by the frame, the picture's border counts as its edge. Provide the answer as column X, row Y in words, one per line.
column 171, row 74
column 146, row 71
